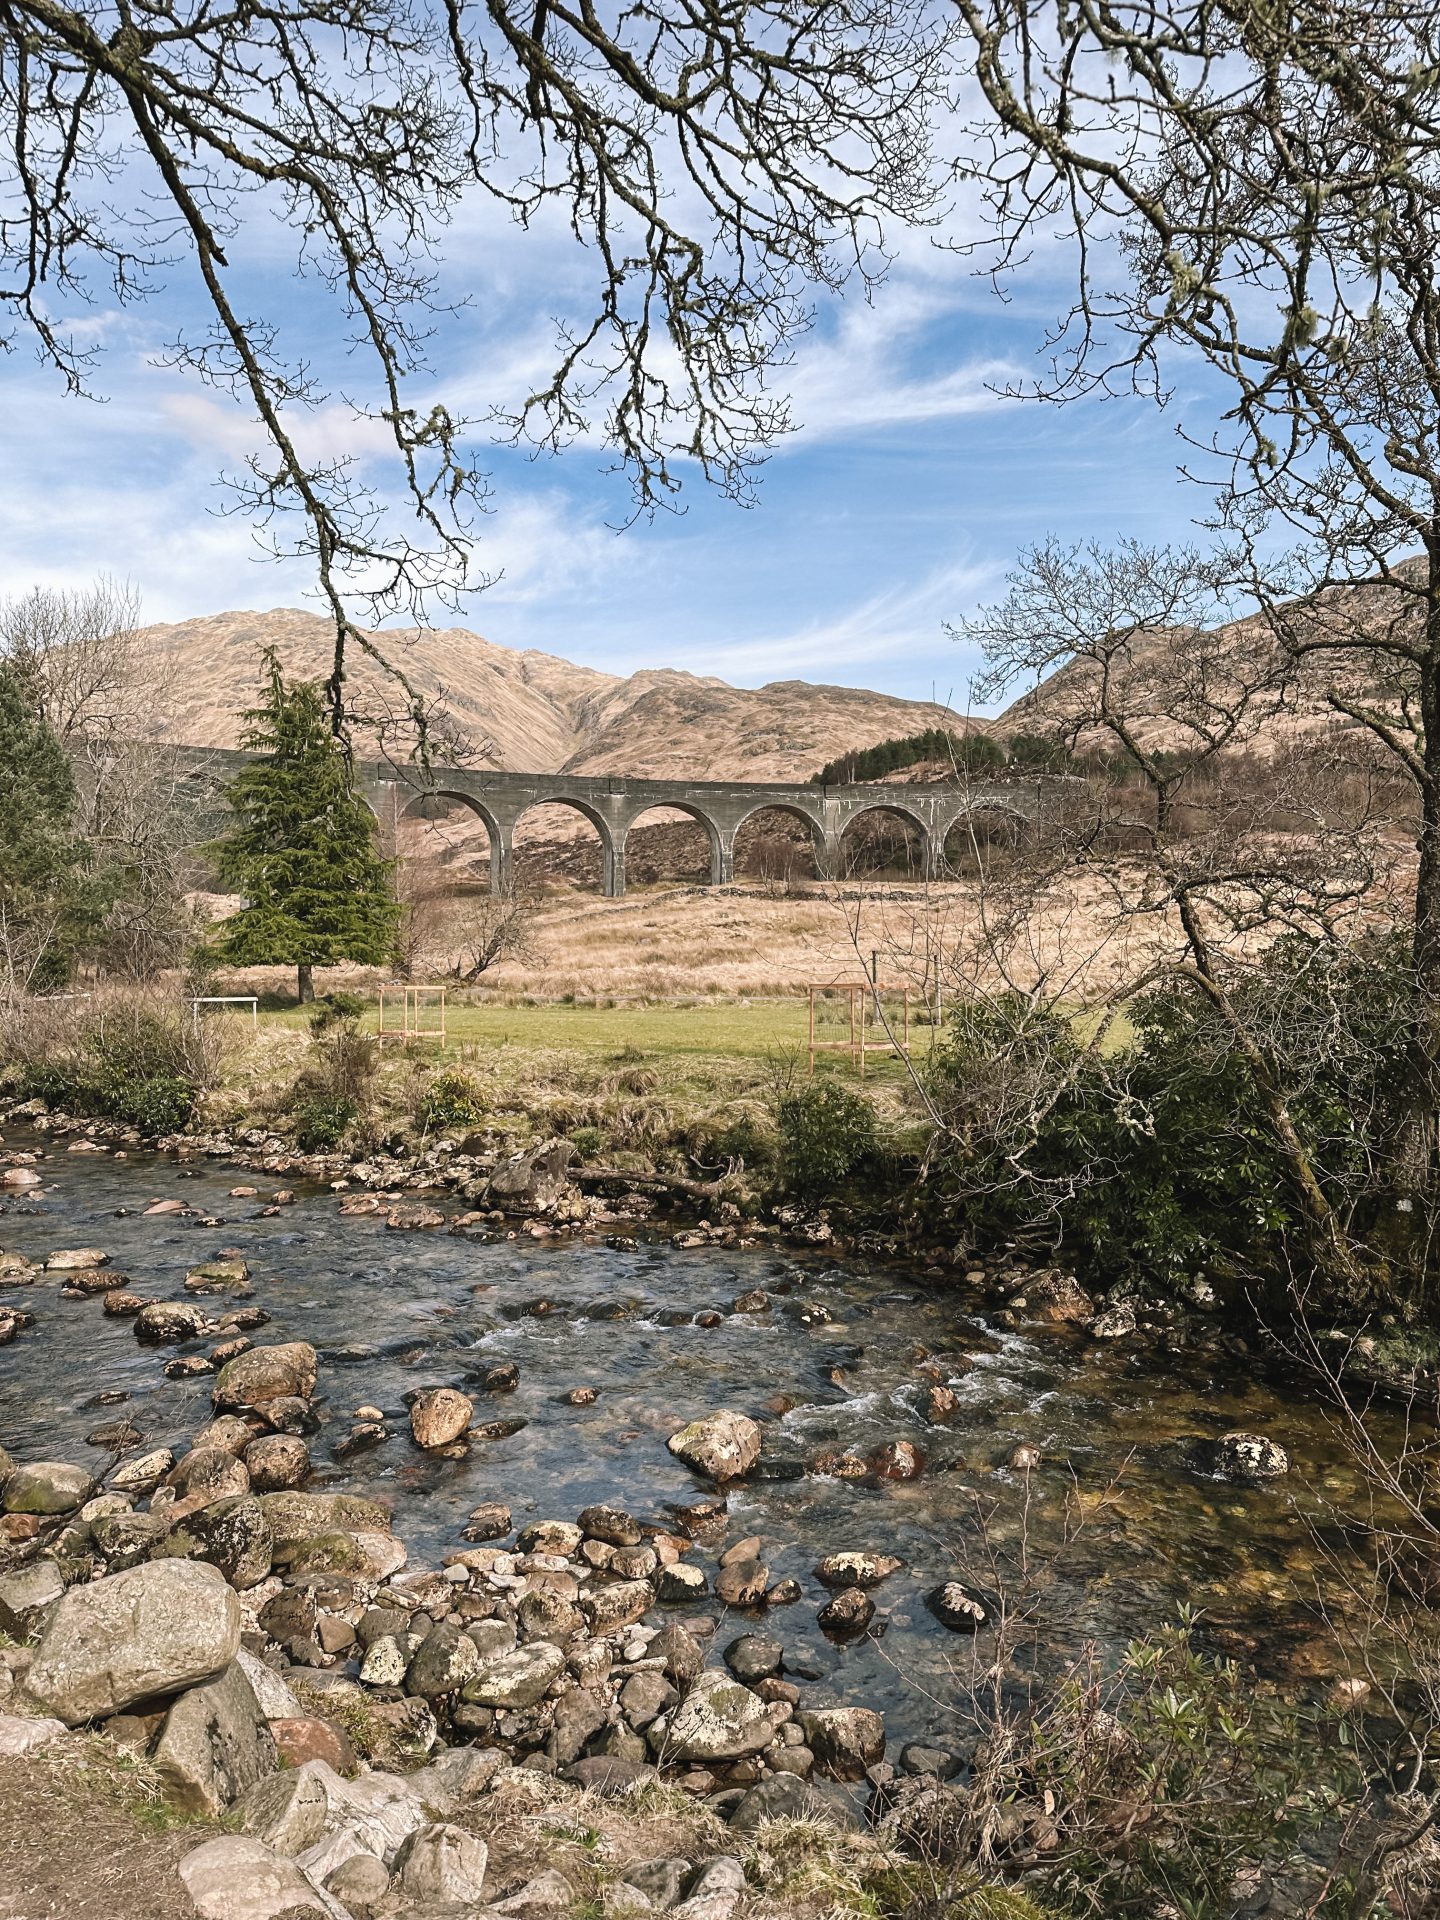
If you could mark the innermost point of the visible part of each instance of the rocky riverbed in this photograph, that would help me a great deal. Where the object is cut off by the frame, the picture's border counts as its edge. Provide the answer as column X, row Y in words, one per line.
column 428, row 1508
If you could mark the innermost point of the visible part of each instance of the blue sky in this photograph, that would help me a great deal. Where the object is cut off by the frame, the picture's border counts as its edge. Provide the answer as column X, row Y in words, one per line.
column 898, row 504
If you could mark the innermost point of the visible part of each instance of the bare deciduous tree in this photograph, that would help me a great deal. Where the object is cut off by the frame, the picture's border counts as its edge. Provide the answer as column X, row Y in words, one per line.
column 1201, row 854
column 716, row 164
column 103, row 685
column 1259, row 189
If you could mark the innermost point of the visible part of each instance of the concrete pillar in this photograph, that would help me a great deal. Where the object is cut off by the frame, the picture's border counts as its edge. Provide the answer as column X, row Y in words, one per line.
column 722, row 858
column 612, row 865
column 502, row 860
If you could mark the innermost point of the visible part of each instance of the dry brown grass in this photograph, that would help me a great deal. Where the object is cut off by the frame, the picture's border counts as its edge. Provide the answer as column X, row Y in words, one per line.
column 84, row 1836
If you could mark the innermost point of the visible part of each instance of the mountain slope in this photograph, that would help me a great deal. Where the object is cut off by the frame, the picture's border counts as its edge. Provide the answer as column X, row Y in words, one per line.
column 532, row 712
column 1166, row 675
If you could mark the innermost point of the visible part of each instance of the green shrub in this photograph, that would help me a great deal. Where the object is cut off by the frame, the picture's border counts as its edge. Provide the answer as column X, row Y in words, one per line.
column 137, row 1062
column 334, row 1009
column 322, row 1120
column 825, row 1131
column 1160, row 1160
column 450, row 1102
column 334, row 1088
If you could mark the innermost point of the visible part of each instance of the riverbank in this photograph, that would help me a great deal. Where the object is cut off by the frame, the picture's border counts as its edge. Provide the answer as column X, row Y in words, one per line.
column 966, row 1433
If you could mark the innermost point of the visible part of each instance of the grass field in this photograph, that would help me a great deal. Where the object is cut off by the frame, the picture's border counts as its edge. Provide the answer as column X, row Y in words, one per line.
column 747, row 1029
column 634, row 1084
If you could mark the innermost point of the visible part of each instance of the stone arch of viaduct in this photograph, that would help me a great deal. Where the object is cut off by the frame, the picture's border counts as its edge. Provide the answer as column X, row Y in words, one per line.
column 613, row 805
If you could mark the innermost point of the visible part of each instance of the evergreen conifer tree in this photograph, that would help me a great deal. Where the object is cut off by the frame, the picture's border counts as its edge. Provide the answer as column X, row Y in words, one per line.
column 49, row 902
column 303, row 849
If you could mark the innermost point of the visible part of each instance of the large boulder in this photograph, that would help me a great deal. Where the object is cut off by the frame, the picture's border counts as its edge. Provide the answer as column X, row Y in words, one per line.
column 516, row 1679
column 264, row 1374
column 723, row 1445
column 214, row 1745
column 717, row 1720
column 47, row 1487
column 535, row 1181
column 149, row 1631
column 237, row 1878
column 231, row 1534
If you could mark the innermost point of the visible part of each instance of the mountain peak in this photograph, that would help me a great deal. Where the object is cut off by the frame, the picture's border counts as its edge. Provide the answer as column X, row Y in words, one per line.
column 532, row 712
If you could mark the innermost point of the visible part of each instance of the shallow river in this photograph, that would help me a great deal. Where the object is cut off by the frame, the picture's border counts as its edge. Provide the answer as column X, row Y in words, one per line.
column 832, row 1363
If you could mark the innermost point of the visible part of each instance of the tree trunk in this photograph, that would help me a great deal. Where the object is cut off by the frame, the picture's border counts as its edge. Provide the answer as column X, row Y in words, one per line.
column 306, row 992
column 1423, row 1147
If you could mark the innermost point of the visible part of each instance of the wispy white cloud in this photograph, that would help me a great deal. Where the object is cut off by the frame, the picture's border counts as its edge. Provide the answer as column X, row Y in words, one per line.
column 898, row 623
column 894, row 361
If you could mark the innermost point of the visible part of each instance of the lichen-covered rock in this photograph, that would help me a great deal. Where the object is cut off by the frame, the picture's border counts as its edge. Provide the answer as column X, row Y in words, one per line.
column 214, row 1745
column 723, row 1445
column 277, row 1462
column 958, row 1607
column 617, row 1605
column 610, row 1524
column 1251, row 1456
column 209, row 1473
column 847, row 1613
column 516, row 1679
column 162, row 1323
column 551, row 1536
column 844, row 1740
column 444, row 1661
column 267, row 1373
column 231, row 1534
column 143, row 1474
column 717, row 1720
column 47, row 1487
column 439, row 1416
column 149, row 1631
column 299, row 1516
column 856, row 1569
column 534, row 1181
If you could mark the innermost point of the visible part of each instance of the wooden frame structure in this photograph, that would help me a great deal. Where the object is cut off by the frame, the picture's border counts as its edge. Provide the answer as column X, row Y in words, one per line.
column 412, row 1010
column 862, row 994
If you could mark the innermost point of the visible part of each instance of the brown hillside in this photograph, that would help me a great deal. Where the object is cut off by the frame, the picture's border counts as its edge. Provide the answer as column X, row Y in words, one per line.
column 532, row 712
column 1150, row 682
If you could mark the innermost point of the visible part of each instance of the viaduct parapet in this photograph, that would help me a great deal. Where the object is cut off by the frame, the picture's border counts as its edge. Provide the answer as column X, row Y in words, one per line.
column 613, row 805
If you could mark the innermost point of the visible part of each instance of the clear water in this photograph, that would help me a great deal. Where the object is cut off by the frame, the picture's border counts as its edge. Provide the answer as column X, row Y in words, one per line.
column 392, row 1311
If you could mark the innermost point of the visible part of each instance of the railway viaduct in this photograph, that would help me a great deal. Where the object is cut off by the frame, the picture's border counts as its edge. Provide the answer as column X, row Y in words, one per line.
column 613, row 805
